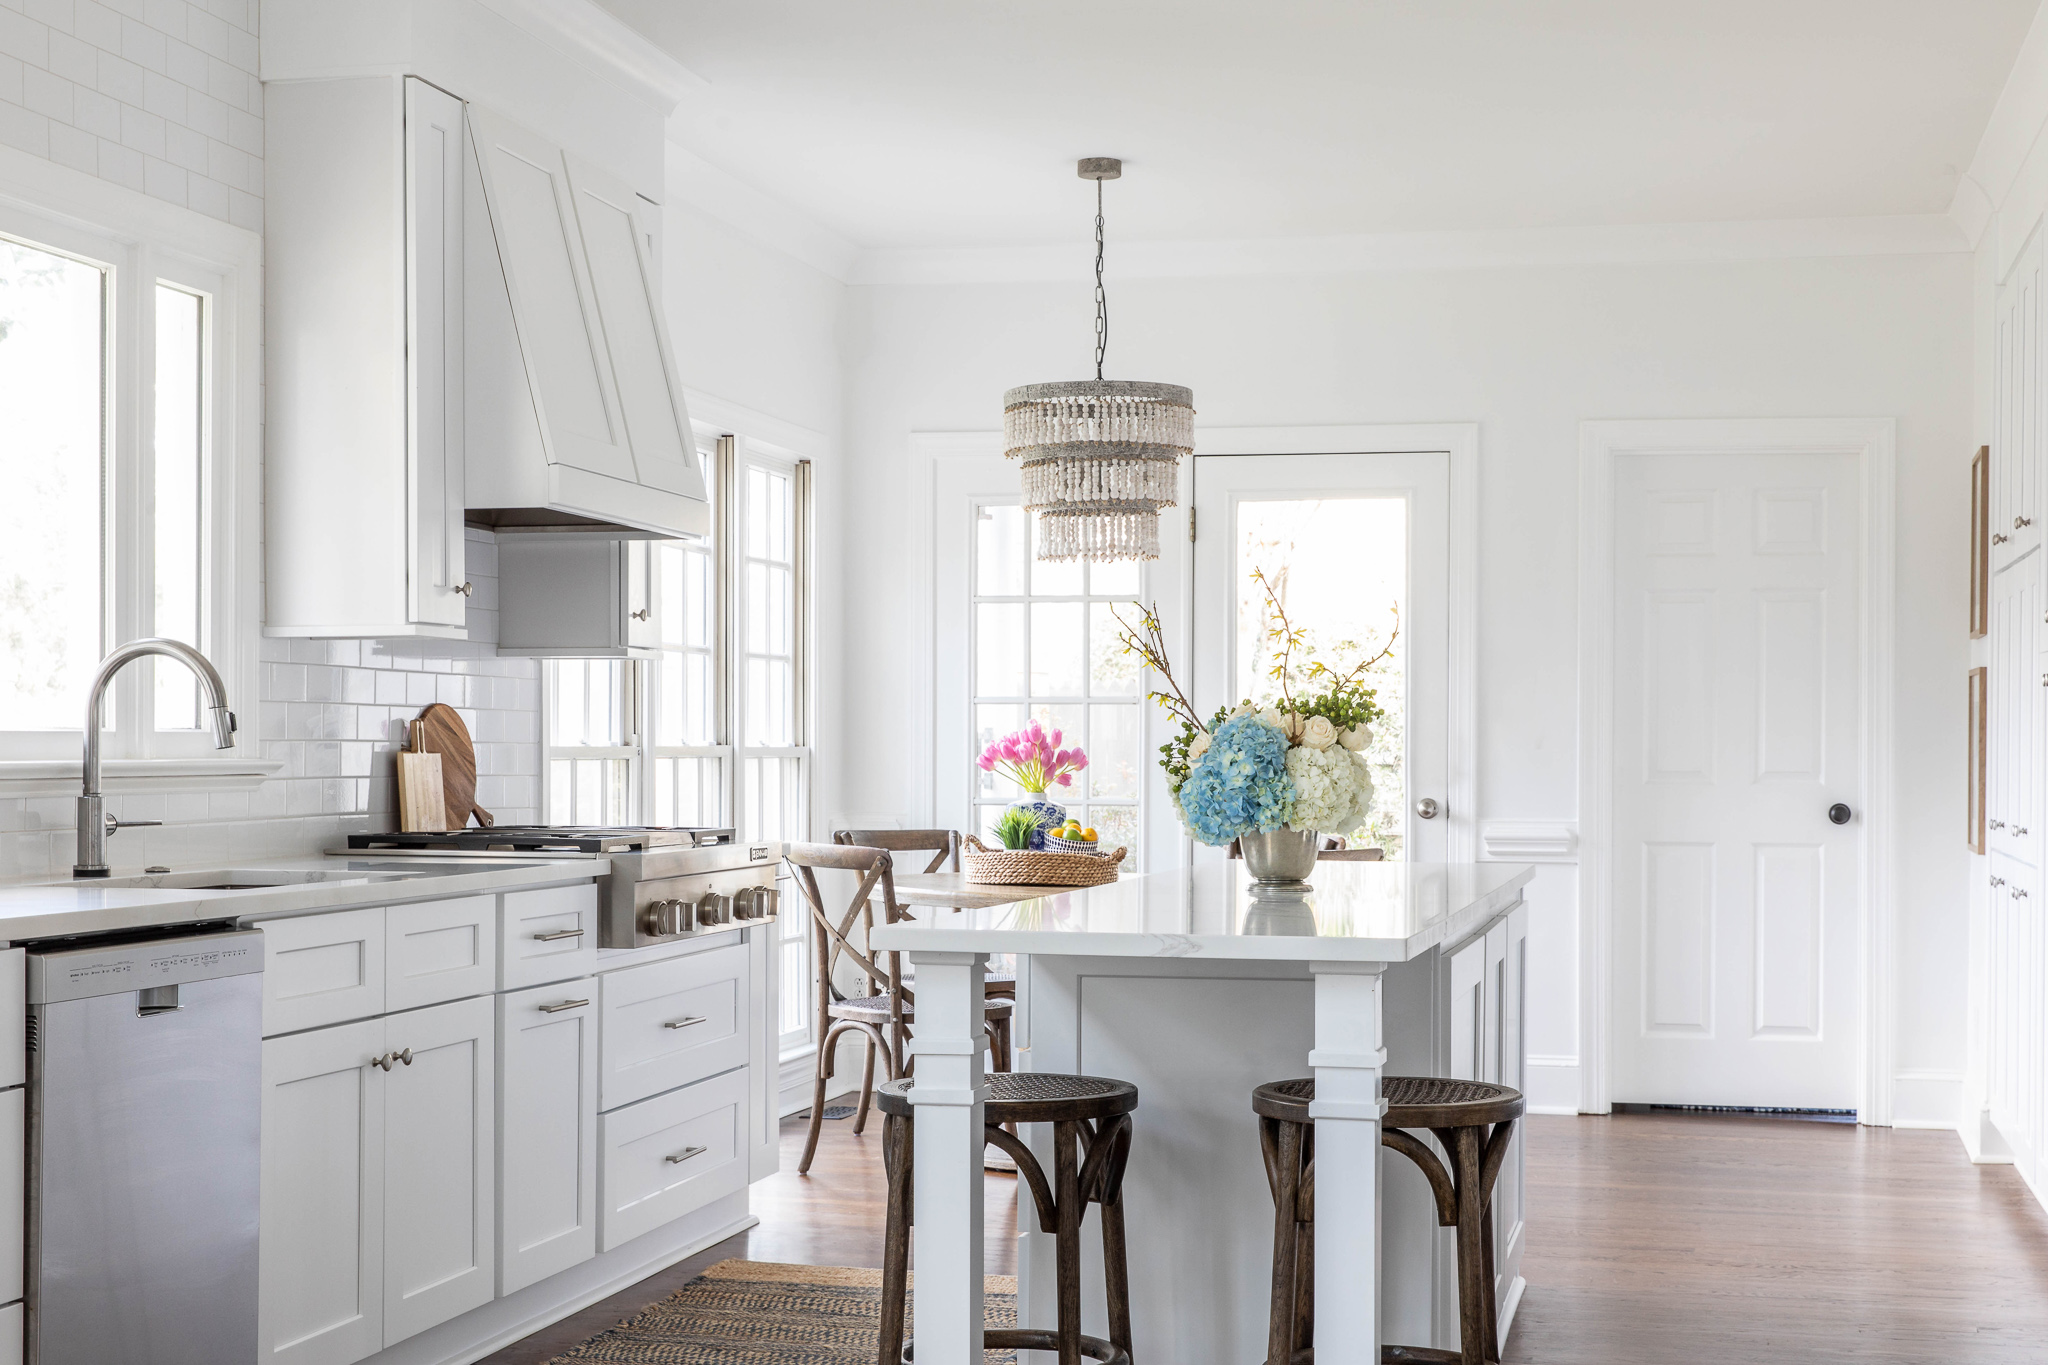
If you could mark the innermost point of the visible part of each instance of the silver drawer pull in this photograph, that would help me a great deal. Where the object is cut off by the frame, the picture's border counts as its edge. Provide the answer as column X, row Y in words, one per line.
column 2019, row 893
column 680, row 1157
column 1998, row 881
column 2018, row 830
column 404, row 1054
column 559, row 934
column 685, row 1022
column 2000, row 824
column 383, row 1062
column 565, row 1005
column 2018, row 522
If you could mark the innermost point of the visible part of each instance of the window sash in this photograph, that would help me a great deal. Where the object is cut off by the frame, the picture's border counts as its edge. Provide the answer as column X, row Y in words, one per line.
column 134, row 267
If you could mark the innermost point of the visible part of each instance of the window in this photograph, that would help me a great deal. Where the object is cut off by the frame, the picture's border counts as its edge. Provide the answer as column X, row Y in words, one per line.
column 119, row 521
column 715, row 729
column 1045, row 648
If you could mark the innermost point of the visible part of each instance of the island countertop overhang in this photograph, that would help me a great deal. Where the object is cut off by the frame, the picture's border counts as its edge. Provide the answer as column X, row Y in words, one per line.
column 1353, row 912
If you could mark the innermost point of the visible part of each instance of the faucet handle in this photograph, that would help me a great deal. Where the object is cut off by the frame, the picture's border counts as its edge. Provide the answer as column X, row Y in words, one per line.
column 114, row 825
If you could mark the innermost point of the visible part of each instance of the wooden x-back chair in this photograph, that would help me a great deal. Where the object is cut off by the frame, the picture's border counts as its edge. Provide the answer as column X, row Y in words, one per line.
column 883, row 1017
column 944, row 846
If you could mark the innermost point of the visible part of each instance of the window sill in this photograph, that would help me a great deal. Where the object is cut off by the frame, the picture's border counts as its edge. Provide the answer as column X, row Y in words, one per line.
column 63, row 776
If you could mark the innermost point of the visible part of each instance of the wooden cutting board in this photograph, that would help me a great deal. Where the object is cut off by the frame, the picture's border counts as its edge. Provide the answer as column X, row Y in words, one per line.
column 422, row 796
column 439, row 730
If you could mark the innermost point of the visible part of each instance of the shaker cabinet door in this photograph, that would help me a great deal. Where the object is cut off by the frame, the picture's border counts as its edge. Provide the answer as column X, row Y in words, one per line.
column 321, row 1295
column 440, row 1154
column 547, row 1131
column 433, row 287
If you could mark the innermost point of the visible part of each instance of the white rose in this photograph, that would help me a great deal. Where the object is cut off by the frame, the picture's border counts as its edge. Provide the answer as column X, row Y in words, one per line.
column 1318, row 733
column 1245, row 710
column 1357, row 739
column 1271, row 716
column 1198, row 747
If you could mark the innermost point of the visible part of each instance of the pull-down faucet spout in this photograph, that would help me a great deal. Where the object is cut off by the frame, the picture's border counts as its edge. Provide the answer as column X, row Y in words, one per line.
column 94, row 824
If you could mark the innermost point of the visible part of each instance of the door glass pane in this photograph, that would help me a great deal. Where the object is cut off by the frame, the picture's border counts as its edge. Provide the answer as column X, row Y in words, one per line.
column 1115, row 827
column 1111, row 672
column 1113, row 766
column 1339, row 569
column 990, row 724
column 51, row 349
column 180, row 376
column 1119, row 579
column 999, row 649
column 1056, row 649
column 1000, row 535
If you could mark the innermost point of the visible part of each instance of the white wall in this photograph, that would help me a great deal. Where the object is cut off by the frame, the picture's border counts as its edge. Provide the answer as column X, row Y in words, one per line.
column 1528, row 353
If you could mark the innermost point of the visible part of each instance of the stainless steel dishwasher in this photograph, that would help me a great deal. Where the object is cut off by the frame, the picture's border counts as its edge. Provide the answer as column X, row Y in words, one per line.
column 145, row 1095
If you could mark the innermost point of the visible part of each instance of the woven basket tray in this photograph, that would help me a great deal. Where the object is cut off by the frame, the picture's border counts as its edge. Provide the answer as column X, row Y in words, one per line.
column 1024, row 867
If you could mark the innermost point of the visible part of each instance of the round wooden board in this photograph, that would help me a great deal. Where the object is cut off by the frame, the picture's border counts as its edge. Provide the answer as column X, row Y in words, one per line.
column 440, row 730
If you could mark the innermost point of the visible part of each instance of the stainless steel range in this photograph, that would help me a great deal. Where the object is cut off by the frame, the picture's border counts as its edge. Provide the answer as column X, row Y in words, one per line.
column 665, row 884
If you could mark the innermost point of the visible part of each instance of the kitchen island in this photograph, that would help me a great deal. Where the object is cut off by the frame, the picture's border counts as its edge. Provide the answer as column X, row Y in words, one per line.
column 1197, row 985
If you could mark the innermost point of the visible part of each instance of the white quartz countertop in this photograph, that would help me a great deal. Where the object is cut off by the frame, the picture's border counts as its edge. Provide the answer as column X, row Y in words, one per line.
column 265, row 889
column 1353, row 912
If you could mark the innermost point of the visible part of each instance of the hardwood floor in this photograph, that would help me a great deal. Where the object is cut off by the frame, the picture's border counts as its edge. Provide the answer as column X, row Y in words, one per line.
column 1654, row 1240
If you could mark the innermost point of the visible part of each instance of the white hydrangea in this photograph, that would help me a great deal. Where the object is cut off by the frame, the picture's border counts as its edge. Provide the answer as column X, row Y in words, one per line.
column 1332, row 788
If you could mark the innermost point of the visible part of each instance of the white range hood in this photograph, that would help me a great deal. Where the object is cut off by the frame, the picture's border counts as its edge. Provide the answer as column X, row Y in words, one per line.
column 574, row 416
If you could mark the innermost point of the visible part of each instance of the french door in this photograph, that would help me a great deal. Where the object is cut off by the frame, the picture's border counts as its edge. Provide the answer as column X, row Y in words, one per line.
column 1355, row 549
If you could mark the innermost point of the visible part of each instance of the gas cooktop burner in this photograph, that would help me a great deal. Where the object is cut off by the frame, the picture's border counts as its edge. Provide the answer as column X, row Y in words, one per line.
column 552, row 839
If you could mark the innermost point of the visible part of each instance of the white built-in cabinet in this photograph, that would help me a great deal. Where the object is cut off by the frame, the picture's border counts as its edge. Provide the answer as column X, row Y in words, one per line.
column 1486, row 979
column 547, row 1167
column 575, row 595
column 364, row 365
column 13, row 1149
column 2013, row 944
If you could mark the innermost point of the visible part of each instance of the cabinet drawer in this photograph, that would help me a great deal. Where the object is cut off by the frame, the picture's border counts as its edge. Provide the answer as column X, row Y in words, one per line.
column 665, row 1157
column 548, row 935
column 443, row 950
column 322, row 969
column 671, row 1023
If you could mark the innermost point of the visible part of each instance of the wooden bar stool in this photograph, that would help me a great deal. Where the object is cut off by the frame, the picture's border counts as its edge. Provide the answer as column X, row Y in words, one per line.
column 1474, row 1121
column 1091, row 1119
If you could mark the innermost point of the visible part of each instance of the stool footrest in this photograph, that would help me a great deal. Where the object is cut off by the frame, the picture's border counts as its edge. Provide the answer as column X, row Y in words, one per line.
column 1037, row 1339
column 1430, row 1355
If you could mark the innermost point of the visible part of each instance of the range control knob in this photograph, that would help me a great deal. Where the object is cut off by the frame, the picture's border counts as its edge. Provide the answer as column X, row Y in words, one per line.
column 651, row 919
column 714, row 908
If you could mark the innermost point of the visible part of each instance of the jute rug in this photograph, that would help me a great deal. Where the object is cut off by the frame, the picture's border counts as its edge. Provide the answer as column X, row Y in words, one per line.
column 758, row 1313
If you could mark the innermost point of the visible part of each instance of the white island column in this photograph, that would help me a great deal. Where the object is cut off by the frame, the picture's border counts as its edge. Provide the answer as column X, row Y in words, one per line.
column 1347, row 1060
column 948, row 1100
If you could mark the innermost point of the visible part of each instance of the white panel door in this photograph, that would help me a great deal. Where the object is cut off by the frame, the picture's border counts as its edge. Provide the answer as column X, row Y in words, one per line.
column 617, row 227
column 526, row 187
column 1345, row 539
column 440, row 1189
column 547, row 1131
column 321, row 1296
column 1738, row 711
column 2018, row 441
column 433, row 295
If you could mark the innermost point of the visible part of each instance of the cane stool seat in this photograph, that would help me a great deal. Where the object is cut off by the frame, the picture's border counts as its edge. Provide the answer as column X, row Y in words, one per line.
column 1473, row 1120
column 1091, row 1144
column 875, row 1009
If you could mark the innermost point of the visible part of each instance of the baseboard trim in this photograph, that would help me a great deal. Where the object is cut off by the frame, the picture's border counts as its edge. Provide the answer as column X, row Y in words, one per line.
column 1927, row 1099
column 495, row 1325
column 1550, row 1085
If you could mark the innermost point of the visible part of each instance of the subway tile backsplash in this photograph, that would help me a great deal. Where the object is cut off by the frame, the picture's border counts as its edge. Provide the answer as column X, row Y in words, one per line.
column 333, row 712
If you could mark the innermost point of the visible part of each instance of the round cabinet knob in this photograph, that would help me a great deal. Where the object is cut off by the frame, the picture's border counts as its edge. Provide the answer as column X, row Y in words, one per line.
column 1839, row 813
column 1427, row 808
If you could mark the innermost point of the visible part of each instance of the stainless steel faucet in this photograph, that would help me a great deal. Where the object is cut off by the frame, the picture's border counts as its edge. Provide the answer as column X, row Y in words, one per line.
column 94, row 824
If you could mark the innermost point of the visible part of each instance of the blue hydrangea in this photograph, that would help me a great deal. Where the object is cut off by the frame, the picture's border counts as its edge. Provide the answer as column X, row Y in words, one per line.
column 1241, row 784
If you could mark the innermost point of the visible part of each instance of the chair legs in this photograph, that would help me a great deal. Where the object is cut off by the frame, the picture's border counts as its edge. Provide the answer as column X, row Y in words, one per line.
column 898, row 1156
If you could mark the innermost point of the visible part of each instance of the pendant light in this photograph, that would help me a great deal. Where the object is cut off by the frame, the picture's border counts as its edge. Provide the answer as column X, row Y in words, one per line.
column 1099, row 455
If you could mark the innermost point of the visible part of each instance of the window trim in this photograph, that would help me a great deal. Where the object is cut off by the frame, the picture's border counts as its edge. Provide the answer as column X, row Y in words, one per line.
column 143, row 241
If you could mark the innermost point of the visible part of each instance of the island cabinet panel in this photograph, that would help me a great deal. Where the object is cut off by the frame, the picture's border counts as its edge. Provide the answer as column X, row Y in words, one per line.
column 671, row 1023
column 13, row 1016
column 547, row 1131
column 671, row 1155
column 440, row 1152
column 321, row 1300
column 10, row 1334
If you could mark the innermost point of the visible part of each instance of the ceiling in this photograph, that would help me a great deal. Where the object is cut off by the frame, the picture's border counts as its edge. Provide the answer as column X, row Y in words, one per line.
column 949, row 123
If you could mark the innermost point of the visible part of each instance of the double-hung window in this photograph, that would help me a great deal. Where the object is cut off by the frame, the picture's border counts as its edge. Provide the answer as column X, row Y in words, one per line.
column 715, row 730
column 120, row 519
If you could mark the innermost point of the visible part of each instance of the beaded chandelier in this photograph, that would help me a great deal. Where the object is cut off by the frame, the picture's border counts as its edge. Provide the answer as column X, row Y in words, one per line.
column 1099, row 455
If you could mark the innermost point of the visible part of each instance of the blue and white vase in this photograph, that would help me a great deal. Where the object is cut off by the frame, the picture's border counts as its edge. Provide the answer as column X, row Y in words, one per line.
column 1049, row 816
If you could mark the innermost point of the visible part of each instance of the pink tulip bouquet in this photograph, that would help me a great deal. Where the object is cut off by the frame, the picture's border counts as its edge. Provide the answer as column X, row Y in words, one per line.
column 1034, row 760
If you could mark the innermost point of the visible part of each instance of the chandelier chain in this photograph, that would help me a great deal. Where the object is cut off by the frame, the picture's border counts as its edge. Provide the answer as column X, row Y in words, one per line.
column 1101, row 297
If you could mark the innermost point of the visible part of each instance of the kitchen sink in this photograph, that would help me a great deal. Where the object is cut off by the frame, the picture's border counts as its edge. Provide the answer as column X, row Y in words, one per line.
column 267, row 878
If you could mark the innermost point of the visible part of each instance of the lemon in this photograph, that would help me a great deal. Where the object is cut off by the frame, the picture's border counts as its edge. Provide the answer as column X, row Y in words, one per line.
column 1089, row 836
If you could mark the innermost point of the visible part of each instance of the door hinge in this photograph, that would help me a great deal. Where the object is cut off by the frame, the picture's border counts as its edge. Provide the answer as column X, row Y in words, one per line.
column 1191, row 524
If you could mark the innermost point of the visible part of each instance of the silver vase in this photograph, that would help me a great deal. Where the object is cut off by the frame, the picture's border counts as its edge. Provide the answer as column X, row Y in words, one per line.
column 1280, row 856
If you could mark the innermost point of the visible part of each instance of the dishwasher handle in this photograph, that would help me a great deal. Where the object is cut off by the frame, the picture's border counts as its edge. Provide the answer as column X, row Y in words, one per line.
column 151, row 1001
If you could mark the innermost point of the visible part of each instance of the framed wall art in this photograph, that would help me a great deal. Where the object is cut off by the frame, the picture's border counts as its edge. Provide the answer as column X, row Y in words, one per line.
column 1980, row 543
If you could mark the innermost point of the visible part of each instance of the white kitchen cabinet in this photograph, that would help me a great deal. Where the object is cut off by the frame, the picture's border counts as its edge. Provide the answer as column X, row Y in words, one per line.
column 378, row 1181
column 13, row 1193
column 322, row 969
column 13, row 1016
column 667, row 1156
column 364, row 412
column 575, row 595
column 547, row 1131
column 440, row 1155
column 321, row 1297
column 548, row 934
column 441, row 950
column 10, row 1334
column 670, row 1023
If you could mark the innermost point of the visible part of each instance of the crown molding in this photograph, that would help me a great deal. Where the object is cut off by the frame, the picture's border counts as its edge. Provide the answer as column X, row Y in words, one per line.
column 584, row 29
column 1895, row 235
